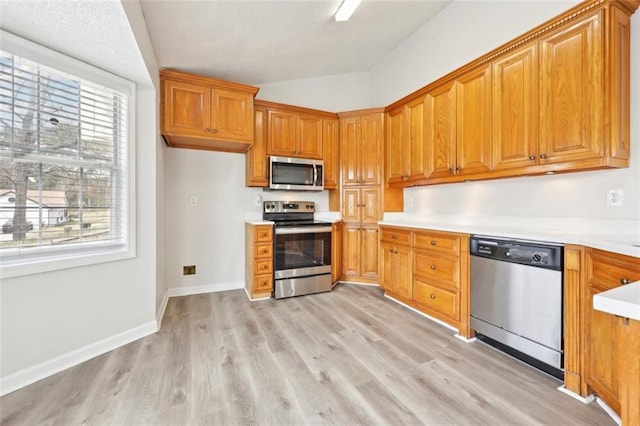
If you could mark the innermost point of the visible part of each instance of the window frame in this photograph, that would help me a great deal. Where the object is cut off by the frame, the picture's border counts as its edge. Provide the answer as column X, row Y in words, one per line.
column 34, row 260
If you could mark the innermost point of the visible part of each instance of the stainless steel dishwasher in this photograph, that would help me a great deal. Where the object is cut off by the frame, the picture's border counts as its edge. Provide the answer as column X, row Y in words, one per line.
column 516, row 299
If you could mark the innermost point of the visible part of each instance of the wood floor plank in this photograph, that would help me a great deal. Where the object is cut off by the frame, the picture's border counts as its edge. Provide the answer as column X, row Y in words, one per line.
column 350, row 356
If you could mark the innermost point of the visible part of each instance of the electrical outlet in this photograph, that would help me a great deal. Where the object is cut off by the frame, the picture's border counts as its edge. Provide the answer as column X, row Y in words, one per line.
column 614, row 197
column 189, row 270
column 193, row 200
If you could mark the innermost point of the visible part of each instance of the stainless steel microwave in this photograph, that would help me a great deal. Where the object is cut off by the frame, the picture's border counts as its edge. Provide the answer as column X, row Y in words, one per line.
column 296, row 174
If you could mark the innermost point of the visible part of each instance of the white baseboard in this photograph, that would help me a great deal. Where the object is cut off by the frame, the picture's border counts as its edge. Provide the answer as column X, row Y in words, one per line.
column 442, row 323
column 251, row 299
column 464, row 339
column 163, row 307
column 614, row 416
column 585, row 400
column 48, row 368
column 207, row 288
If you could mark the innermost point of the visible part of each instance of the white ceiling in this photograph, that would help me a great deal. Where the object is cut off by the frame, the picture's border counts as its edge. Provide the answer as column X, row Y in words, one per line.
column 258, row 42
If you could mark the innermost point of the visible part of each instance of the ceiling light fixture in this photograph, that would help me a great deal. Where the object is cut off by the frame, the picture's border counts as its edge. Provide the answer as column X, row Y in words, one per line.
column 346, row 9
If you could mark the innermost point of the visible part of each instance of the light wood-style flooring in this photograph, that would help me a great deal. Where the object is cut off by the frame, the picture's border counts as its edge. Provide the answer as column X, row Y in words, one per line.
column 348, row 357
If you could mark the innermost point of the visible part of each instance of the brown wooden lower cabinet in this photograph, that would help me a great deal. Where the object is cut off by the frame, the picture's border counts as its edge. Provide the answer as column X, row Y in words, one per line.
column 602, row 342
column 258, row 260
column 360, row 252
column 428, row 270
column 336, row 252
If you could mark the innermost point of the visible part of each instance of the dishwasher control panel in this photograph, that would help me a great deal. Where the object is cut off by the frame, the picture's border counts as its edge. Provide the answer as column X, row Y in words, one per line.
column 534, row 253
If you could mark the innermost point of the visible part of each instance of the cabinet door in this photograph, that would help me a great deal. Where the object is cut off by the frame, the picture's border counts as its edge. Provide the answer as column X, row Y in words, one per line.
column 473, row 122
column 331, row 152
column 281, row 133
column 441, row 133
column 257, row 167
column 351, row 209
column 369, row 252
column 418, row 164
column 370, row 203
column 232, row 116
column 571, row 92
column 309, row 136
column 350, row 134
column 387, row 282
column 515, row 109
column 602, row 351
column 371, row 149
column 336, row 252
column 351, row 251
column 187, row 109
column 397, row 149
column 402, row 266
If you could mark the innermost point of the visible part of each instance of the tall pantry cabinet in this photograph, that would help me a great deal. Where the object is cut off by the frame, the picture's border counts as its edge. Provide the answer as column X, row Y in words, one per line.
column 363, row 194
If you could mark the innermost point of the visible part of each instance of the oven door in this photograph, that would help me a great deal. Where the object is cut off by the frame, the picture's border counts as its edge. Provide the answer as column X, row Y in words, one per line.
column 302, row 251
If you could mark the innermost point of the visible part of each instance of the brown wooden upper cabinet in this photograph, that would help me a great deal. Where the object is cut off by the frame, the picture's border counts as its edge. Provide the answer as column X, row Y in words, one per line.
column 204, row 113
column 555, row 99
column 407, row 154
column 361, row 148
column 331, row 152
column 294, row 134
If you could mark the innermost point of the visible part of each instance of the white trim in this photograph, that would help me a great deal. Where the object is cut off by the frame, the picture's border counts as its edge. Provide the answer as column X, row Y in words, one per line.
column 251, row 299
column 464, row 339
column 207, row 288
column 48, row 368
column 614, row 416
column 450, row 327
column 163, row 307
column 585, row 400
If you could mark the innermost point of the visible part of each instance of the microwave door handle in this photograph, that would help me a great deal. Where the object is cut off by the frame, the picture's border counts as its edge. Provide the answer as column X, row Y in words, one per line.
column 315, row 174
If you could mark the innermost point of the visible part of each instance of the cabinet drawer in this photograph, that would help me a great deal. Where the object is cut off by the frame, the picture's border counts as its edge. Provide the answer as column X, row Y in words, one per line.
column 438, row 242
column 263, row 234
column 397, row 236
column 443, row 270
column 263, row 250
column 263, row 266
column 442, row 301
column 610, row 270
column 263, row 282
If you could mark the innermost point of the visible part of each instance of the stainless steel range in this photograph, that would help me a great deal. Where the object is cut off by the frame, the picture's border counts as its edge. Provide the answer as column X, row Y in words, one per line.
column 302, row 249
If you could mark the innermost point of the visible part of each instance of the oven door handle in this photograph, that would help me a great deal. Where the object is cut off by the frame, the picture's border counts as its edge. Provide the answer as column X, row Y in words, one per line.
column 302, row 230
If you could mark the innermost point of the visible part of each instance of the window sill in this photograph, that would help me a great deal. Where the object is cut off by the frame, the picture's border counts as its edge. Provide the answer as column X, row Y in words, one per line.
column 48, row 262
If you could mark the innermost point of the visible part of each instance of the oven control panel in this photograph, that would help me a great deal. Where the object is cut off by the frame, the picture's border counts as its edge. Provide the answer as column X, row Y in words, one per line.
column 288, row 207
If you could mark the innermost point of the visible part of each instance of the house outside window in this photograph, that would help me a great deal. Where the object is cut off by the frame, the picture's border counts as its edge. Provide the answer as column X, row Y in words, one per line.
column 66, row 160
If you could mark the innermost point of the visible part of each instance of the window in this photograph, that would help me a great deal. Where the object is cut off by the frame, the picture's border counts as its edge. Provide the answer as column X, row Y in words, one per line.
column 65, row 160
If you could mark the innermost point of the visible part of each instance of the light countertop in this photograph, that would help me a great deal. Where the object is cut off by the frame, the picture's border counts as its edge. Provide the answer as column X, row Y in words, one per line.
column 622, row 237
column 623, row 301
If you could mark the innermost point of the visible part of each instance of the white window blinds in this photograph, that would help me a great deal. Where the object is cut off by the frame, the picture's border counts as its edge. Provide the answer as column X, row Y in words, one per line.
column 63, row 154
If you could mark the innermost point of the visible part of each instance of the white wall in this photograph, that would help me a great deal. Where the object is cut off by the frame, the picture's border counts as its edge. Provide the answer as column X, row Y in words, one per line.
column 54, row 318
column 464, row 31
column 138, row 25
column 210, row 235
column 334, row 93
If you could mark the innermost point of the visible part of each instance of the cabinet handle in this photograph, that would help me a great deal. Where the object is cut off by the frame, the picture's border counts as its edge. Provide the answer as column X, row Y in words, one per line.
column 450, row 169
column 624, row 281
column 390, row 250
column 458, row 170
column 207, row 130
column 394, row 236
column 543, row 156
column 264, row 266
column 433, row 243
column 532, row 157
column 214, row 131
column 395, row 252
column 263, row 251
column 432, row 296
column 433, row 267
